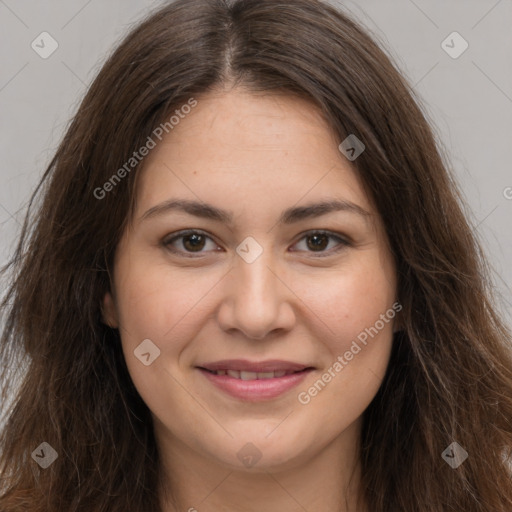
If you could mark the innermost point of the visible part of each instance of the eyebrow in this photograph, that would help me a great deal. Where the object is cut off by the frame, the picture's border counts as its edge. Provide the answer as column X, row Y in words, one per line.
column 289, row 216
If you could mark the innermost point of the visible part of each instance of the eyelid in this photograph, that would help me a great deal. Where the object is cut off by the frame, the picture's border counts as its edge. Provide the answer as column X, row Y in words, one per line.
column 343, row 241
column 167, row 240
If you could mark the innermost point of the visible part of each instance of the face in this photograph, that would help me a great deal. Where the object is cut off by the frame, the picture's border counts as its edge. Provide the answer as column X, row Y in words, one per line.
column 259, row 325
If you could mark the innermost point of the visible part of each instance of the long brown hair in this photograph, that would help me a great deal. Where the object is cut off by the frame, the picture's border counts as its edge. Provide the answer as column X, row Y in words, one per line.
column 64, row 379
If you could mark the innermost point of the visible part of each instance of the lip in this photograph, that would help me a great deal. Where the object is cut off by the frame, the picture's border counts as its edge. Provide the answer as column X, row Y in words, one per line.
column 270, row 365
column 255, row 390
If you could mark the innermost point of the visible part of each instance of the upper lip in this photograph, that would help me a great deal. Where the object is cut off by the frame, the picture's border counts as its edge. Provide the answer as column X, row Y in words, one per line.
column 271, row 365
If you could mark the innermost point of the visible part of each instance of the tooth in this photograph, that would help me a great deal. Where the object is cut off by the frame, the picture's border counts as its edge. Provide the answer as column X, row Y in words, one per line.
column 280, row 373
column 221, row 372
column 248, row 375
column 234, row 373
column 266, row 375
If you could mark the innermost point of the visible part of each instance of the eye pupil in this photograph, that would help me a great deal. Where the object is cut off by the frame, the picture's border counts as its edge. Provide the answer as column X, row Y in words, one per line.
column 320, row 241
column 197, row 241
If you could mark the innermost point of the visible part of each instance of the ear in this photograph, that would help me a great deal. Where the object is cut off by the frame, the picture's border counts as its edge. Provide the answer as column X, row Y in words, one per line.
column 108, row 311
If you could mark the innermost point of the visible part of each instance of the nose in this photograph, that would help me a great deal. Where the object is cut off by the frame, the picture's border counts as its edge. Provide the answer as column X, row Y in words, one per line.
column 256, row 300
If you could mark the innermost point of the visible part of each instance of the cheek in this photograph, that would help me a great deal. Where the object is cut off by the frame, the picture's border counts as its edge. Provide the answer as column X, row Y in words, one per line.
column 350, row 300
column 360, row 315
column 161, row 304
column 355, row 325
column 164, row 307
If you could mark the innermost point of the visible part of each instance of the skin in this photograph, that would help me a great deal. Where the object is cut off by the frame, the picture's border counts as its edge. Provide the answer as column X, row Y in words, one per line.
column 254, row 155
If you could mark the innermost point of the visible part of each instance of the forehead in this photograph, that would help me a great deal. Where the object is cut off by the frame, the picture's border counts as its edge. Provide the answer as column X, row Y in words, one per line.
column 243, row 149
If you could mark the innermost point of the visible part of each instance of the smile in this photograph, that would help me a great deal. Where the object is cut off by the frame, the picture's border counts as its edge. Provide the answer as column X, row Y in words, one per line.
column 254, row 382
column 242, row 375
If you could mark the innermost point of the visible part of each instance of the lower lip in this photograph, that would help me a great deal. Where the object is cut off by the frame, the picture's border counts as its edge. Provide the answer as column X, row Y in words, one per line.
column 256, row 390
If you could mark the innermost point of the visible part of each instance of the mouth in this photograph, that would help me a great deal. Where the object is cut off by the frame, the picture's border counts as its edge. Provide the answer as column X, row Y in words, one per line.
column 254, row 381
column 244, row 375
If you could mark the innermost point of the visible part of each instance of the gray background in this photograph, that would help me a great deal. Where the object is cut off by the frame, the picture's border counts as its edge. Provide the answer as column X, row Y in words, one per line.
column 469, row 99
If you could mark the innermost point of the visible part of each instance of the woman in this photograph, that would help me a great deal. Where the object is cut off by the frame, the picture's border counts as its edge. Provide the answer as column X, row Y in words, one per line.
column 250, row 286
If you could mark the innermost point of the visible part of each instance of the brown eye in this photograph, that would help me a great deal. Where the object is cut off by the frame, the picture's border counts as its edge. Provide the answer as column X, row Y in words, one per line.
column 193, row 242
column 320, row 242
column 190, row 242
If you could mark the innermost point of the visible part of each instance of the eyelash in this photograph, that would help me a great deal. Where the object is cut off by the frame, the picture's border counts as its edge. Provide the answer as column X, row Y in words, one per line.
column 342, row 243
